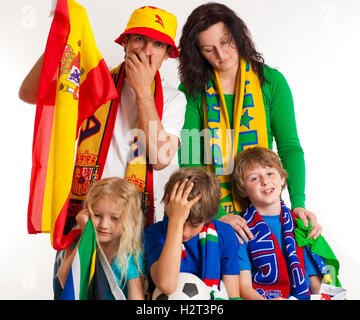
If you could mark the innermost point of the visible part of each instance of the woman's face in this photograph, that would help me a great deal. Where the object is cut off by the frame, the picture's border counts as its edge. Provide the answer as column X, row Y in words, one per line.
column 218, row 48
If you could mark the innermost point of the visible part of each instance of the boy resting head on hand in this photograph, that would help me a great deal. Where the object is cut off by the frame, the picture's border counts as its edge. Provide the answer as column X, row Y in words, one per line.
column 188, row 239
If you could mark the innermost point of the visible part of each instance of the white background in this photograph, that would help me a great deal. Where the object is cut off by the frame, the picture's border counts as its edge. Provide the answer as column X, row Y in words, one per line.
column 314, row 43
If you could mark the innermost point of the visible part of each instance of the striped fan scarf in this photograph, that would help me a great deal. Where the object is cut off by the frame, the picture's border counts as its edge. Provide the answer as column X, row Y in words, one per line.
column 272, row 278
column 249, row 127
column 94, row 142
column 209, row 256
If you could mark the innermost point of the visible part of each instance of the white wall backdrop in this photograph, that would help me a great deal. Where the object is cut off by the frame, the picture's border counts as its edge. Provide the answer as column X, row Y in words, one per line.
column 314, row 43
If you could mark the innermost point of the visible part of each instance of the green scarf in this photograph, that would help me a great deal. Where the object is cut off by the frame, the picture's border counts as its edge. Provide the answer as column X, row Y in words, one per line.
column 319, row 247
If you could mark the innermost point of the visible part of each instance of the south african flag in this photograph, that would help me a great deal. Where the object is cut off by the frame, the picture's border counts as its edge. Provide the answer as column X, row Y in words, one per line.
column 90, row 276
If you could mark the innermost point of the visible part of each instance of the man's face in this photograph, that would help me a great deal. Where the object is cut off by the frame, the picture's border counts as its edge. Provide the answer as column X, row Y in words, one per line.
column 155, row 51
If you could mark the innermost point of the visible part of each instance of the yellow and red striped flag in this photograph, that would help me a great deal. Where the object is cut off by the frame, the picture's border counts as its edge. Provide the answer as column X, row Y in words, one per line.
column 74, row 83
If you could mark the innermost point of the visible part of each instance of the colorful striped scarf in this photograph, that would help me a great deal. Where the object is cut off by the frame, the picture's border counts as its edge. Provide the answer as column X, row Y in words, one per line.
column 249, row 127
column 272, row 278
column 209, row 256
column 94, row 142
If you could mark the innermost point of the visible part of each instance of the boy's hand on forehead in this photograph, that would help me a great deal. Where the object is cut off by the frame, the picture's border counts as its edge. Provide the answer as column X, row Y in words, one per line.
column 177, row 206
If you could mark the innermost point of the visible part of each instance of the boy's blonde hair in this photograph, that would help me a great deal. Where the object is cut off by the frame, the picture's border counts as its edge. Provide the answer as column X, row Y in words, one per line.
column 127, row 197
column 249, row 159
column 206, row 184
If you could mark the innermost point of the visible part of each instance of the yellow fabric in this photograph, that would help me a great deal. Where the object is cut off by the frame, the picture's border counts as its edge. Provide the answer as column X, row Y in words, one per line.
column 136, row 168
column 92, row 267
column 219, row 136
column 61, row 156
column 153, row 18
column 86, row 167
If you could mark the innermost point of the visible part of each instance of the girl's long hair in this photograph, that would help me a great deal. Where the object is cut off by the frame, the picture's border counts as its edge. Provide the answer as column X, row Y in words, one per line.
column 194, row 69
column 127, row 197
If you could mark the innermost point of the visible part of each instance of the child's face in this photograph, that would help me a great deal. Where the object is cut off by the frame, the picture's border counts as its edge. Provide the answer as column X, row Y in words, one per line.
column 107, row 214
column 191, row 230
column 263, row 186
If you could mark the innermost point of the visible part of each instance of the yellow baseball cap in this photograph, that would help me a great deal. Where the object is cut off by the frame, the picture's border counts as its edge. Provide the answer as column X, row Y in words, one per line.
column 154, row 23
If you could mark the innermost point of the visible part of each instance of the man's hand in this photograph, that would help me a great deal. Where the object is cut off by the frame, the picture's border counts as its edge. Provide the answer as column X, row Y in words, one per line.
column 29, row 89
column 140, row 71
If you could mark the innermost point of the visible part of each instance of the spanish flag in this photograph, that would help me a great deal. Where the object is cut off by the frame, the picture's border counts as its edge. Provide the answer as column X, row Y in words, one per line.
column 74, row 82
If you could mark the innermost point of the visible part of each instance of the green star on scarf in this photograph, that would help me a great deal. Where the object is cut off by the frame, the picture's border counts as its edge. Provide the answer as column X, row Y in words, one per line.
column 245, row 120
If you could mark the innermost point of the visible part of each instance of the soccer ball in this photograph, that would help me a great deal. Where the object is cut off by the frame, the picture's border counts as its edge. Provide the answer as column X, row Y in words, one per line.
column 189, row 287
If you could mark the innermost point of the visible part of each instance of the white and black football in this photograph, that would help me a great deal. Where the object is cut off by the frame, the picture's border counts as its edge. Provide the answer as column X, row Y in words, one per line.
column 189, row 287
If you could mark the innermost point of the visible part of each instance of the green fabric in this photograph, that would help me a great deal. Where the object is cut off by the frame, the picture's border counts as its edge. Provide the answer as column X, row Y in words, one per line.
column 229, row 298
column 319, row 247
column 235, row 298
column 229, row 100
column 220, row 213
column 281, row 125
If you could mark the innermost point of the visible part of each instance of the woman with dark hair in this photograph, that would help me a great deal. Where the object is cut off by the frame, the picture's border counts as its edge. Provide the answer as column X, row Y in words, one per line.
column 234, row 99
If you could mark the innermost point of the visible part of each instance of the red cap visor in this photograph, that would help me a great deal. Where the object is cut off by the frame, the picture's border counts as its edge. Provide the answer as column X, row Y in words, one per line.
column 153, row 34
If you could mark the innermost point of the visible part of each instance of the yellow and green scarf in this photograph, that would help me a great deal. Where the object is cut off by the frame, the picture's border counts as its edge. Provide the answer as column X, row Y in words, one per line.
column 249, row 127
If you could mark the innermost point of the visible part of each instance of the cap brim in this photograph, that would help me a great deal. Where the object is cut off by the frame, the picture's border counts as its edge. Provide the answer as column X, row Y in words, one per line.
column 153, row 34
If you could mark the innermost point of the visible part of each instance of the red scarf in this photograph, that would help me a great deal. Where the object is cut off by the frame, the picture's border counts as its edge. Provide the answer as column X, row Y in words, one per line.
column 271, row 279
column 94, row 142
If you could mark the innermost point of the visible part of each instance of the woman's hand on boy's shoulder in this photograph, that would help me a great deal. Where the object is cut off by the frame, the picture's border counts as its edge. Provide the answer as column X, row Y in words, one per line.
column 306, row 215
column 240, row 226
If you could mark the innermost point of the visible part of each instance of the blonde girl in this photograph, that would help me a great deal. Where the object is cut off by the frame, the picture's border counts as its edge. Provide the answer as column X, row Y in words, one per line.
column 113, row 205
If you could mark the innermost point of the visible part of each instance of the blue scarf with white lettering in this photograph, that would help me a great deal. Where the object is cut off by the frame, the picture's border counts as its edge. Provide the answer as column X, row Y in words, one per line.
column 277, row 274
